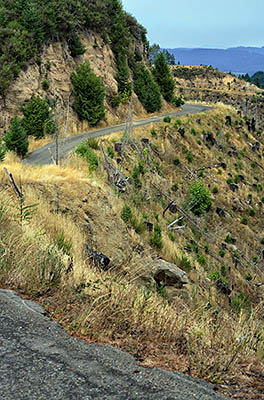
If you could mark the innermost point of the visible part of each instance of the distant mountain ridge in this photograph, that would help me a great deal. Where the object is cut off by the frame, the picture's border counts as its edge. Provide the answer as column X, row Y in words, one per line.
column 238, row 60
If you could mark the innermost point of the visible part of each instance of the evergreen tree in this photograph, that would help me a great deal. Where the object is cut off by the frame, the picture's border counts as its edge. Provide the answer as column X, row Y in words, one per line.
column 16, row 138
column 146, row 89
column 90, row 93
column 37, row 118
column 163, row 77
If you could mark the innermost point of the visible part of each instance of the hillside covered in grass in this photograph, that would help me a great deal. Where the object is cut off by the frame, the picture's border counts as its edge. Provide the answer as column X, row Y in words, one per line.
column 186, row 191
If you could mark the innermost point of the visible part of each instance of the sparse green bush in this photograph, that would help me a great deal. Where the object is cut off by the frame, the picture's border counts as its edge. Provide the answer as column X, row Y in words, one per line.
column 146, row 88
column 199, row 200
column 175, row 187
column 163, row 77
column 176, row 161
column 37, row 120
column 167, row 119
column 177, row 101
column 89, row 94
column 156, row 237
column 244, row 221
column 76, row 46
column 153, row 133
column 252, row 212
column 177, row 124
column 222, row 253
column 115, row 101
column 215, row 189
column 45, row 85
column 126, row 213
column 16, row 138
column 110, row 152
column 185, row 264
column 62, row 244
column 189, row 157
column 85, row 151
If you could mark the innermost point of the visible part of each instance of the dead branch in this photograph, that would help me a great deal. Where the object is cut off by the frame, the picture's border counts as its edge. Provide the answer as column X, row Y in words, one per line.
column 18, row 193
column 114, row 175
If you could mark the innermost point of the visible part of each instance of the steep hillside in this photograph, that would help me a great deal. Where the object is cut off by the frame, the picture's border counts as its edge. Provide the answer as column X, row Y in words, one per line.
column 203, row 83
column 42, row 45
column 187, row 295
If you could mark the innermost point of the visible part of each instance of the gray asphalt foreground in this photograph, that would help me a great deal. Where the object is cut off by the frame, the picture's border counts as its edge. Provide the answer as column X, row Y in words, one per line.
column 41, row 361
column 43, row 155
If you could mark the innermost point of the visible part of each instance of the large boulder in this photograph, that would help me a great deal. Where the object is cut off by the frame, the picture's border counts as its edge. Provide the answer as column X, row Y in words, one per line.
column 168, row 274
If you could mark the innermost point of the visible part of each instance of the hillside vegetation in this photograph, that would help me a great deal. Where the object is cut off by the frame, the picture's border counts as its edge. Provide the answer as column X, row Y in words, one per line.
column 211, row 168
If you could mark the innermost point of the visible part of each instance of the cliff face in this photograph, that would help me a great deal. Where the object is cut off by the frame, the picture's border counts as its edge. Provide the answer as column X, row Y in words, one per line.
column 55, row 65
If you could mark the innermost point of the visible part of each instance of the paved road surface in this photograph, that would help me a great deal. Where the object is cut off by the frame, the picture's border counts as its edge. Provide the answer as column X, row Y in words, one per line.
column 42, row 156
column 40, row 361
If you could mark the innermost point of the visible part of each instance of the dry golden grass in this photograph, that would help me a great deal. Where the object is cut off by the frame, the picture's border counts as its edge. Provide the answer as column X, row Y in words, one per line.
column 207, row 338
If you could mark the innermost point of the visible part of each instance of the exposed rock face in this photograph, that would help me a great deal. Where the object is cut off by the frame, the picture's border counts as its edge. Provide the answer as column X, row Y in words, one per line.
column 168, row 274
column 56, row 66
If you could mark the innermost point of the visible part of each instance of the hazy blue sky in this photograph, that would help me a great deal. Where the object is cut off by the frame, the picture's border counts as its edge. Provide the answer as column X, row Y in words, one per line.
column 200, row 23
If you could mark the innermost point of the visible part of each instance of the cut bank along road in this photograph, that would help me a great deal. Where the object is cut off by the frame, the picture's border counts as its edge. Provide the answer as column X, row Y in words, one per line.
column 42, row 156
column 41, row 361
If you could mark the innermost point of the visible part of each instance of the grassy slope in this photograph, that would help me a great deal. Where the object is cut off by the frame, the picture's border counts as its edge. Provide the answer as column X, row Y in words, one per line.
column 210, row 336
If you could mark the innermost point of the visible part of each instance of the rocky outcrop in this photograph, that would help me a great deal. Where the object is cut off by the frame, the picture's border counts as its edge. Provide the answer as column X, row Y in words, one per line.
column 55, row 65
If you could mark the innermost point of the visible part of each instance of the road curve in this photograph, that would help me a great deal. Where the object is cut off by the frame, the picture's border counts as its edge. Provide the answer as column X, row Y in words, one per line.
column 41, row 361
column 43, row 155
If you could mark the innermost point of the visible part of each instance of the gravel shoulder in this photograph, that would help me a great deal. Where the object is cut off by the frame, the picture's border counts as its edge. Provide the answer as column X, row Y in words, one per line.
column 40, row 361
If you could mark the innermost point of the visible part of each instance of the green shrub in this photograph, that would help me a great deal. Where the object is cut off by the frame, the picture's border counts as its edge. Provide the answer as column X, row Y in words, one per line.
column 115, row 101
column 252, row 212
column 75, row 45
column 62, row 244
column 176, row 161
column 193, row 132
column 200, row 198
column 239, row 301
column 175, row 187
column 146, row 88
column 215, row 189
column 177, row 124
column 228, row 238
column 123, row 78
column 177, row 101
column 189, row 157
column 222, row 253
column 16, row 138
column 171, row 236
column 45, row 84
column 244, row 221
column 156, row 237
column 185, row 264
column 167, row 119
column 153, row 133
column 89, row 94
column 86, row 152
column 126, row 213
column 110, row 152
column 214, row 276
column 163, row 77
column 37, row 120
column 229, row 180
